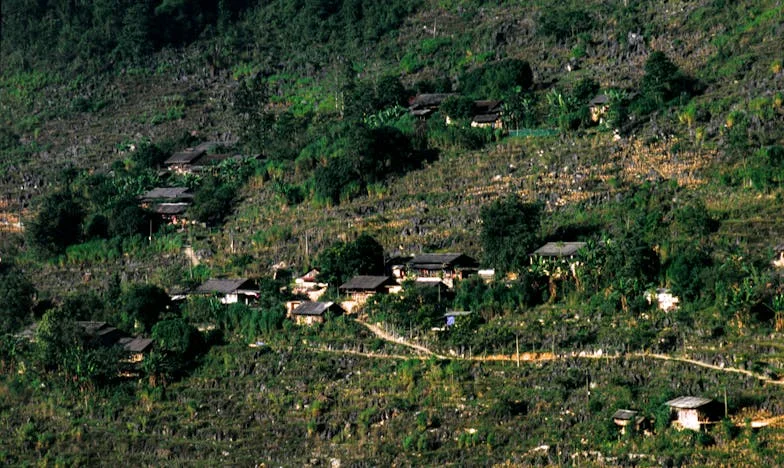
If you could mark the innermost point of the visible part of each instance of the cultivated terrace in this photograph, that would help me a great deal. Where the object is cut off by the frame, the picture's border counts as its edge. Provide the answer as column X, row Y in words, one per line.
column 341, row 233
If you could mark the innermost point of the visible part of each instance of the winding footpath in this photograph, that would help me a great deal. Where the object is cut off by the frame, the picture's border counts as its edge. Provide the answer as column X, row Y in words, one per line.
column 539, row 357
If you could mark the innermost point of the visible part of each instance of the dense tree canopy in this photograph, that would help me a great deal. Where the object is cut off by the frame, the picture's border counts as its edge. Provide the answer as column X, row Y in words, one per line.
column 16, row 298
column 510, row 230
column 339, row 262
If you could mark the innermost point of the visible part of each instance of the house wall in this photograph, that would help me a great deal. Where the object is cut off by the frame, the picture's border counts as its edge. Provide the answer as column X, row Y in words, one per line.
column 308, row 319
column 689, row 419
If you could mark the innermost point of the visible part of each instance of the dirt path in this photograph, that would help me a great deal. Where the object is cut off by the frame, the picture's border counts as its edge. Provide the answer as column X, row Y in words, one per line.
column 542, row 357
column 398, row 340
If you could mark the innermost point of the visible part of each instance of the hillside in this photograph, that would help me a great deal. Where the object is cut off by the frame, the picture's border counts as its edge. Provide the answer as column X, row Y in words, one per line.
column 677, row 185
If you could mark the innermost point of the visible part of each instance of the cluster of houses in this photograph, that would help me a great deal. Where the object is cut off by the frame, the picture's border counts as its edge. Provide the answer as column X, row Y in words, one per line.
column 427, row 270
column 485, row 113
column 104, row 335
column 488, row 113
column 169, row 205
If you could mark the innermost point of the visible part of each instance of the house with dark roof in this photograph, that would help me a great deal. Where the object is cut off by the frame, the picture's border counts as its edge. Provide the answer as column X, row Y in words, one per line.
column 625, row 417
column 423, row 105
column 168, row 204
column 104, row 335
column 487, row 114
column 308, row 313
column 229, row 291
column 166, row 194
column 360, row 288
column 187, row 160
column 693, row 412
column 446, row 266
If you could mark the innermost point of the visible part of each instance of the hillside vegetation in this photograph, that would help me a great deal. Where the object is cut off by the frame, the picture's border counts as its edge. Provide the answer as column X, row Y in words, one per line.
column 677, row 185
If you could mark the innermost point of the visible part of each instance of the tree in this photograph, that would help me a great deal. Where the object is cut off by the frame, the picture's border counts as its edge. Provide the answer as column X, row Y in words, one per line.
column 510, row 231
column 254, row 123
column 142, row 305
column 458, row 107
column 339, row 262
column 16, row 299
column 495, row 80
column 58, row 224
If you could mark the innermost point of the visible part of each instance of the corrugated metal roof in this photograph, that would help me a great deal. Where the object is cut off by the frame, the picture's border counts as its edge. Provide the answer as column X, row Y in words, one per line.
column 439, row 260
column 624, row 414
column 365, row 283
column 187, row 156
column 221, row 286
column 170, row 208
column 559, row 249
column 688, row 402
column 312, row 308
column 159, row 193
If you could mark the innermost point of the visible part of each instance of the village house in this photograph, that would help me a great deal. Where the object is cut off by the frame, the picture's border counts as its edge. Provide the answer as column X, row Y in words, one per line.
column 487, row 114
column 624, row 418
column 308, row 285
column 663, row 298
column 598, row 107
column 423, row 105
column 229, row 291
column 360, row 288
column 308, row 313
column 192, row 160
column 102, row 334
column 446, row 266
column 558, row 250
column 169, row 204
column 693, row 412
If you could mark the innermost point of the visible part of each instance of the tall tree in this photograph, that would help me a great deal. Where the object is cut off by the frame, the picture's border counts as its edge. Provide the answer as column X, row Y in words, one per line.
column 510, row 230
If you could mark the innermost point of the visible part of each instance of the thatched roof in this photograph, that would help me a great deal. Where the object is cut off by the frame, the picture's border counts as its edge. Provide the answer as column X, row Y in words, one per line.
column 312, row 308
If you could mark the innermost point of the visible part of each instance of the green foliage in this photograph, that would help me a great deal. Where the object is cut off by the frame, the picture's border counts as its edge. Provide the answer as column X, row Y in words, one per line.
column 213, row 201
column 564, row 22
column 510, row 231
column 16, row 298
column 497, row 79
column 458, row 107
column 418, row 307
column 662, row 83
column 339, row 262
column 57, row 225
column 142, row 305
column 176, row 337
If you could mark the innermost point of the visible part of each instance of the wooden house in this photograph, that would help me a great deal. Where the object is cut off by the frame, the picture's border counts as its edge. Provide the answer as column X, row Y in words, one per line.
column 360, row 288
column 308, row 285
column 558, row 250
column 190, row 159
column 487, row 114
column 308, row 313
column 423, row 105
column 598, row 107
column 446, row 266
column 693, row 412
column 625, row 418
column 229, row 291
column 168, row 204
